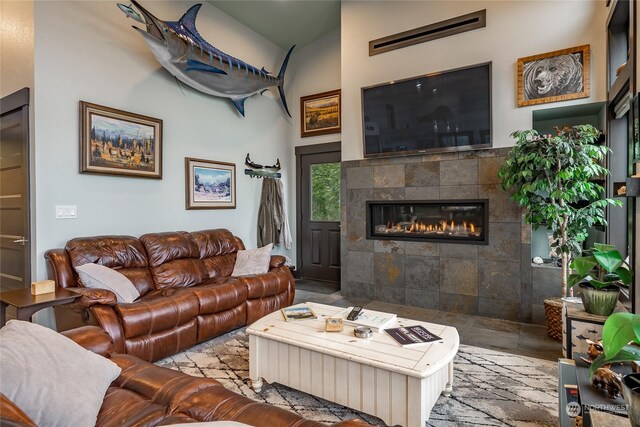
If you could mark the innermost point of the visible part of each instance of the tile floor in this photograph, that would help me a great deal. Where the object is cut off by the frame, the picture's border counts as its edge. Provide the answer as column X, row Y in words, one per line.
column 502, row 335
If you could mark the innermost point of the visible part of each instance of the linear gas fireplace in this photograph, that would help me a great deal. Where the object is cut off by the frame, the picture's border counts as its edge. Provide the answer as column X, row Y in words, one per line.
column 450, row 221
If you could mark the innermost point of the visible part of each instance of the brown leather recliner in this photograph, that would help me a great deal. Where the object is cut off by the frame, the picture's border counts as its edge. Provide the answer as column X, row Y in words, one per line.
column 187, row 294
column 148, row 395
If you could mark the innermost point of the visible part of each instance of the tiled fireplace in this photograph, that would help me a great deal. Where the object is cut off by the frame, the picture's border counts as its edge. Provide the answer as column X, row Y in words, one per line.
column 443, row 263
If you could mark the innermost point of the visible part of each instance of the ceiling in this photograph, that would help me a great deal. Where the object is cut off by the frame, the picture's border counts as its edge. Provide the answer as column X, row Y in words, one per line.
column 285, row 22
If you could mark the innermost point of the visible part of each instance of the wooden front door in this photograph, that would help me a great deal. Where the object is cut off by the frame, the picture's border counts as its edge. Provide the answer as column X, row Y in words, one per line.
column 15, row 268
column 319, row 214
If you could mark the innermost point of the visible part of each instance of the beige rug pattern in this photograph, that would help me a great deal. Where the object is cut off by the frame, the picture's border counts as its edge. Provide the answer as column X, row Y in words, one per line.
column 490, row 388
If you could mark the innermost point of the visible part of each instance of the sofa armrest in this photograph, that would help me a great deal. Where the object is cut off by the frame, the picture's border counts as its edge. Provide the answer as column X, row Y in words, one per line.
column 59, row 268
column 274, row 282
column 91, row 296
column 277, row 261
column 11, row 415
column 92, row 338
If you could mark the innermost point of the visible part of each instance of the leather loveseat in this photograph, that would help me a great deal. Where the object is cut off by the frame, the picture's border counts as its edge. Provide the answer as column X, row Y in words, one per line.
column 148, row 395
column 187, row 294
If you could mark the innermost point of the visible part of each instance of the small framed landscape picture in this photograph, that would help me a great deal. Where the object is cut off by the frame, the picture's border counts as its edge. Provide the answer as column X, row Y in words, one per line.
column 210, row 184
column 320, row 114
column 116, row 142
column 554, row 76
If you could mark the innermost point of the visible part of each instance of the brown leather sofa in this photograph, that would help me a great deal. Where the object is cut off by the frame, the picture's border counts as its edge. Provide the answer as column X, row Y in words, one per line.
column 148, row 395
column 187, row 294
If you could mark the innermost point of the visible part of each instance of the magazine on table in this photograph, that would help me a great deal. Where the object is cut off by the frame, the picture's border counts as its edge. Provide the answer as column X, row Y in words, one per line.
column 409, row 336
column 298, row 312
column 376, row 320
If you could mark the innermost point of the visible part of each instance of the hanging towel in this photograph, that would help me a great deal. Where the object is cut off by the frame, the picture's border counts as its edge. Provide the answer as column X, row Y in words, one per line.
column 285, row 232
column 273, row 224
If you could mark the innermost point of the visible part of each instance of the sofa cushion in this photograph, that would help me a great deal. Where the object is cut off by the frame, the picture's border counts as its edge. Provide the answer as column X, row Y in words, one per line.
column 100, row 277
column 218, row 250
column 123, row 253
column 165, row 247
column 165, row 343
column 52, row 379
column 174, row 259
column 253, row 261
column 158, row 311
column 215, row 242
column 220, row 294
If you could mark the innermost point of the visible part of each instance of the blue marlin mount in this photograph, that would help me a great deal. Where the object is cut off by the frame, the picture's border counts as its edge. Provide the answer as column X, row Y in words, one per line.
column 179, row 47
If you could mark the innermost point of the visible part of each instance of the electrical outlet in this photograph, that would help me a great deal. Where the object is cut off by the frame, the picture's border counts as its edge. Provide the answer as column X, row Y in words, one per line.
column 66, row 211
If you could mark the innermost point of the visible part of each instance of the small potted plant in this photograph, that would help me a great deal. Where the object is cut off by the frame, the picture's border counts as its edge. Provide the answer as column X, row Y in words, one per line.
column 599, row 276
column 620, row 342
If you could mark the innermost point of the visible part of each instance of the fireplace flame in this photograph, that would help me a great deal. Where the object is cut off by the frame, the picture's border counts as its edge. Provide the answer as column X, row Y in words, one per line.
column 441, row 227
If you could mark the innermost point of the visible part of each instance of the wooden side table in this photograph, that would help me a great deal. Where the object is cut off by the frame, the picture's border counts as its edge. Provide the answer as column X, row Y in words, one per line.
column 579, row 326
column 27, row 304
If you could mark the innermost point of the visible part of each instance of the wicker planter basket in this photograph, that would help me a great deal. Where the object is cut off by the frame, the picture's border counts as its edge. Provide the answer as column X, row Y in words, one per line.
column 553, row 318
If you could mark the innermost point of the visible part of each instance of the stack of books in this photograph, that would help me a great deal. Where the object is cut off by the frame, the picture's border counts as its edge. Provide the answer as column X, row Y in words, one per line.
column 376, row 320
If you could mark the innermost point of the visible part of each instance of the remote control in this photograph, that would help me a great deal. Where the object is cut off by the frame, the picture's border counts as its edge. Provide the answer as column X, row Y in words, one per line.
column 354, row 313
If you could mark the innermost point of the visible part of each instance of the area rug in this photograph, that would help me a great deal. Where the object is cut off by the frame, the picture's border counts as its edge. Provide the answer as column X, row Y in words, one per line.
column 490, row 388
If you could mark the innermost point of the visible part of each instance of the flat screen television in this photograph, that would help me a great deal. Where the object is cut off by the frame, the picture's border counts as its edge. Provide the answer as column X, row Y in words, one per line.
column 443, row 111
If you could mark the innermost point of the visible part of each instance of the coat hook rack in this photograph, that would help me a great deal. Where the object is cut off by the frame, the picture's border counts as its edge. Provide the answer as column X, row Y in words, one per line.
column 260, row 171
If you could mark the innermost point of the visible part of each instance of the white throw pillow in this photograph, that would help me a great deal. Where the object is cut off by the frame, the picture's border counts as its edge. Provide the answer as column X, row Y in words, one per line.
column 101, row 277
column 253, row 261
column 55, row 381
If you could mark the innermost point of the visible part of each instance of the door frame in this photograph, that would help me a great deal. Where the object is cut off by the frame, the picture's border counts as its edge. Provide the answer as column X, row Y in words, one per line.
column 20, row 100
column 328, row 147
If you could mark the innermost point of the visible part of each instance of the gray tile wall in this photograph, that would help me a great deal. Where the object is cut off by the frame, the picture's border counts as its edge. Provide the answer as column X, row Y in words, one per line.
column 494, row 280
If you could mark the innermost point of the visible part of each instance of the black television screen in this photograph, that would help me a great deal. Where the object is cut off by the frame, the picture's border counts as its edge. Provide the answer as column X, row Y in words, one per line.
column 443, row 111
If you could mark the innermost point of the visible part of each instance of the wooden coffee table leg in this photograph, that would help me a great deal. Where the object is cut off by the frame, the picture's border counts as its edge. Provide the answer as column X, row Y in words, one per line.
column 256, row 385
column 449, row 387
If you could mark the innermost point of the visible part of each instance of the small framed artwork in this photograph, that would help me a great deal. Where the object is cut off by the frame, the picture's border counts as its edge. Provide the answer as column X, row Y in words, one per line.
column 116, row 142
column 320, row 114
column 210, row 184
column 554, row 76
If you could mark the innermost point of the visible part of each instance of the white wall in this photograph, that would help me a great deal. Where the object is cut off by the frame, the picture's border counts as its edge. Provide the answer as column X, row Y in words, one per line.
column 514, row 29
column 317, row 69
column 16, row 71
column 88, row 51
column 16, row 46
column 314, row 69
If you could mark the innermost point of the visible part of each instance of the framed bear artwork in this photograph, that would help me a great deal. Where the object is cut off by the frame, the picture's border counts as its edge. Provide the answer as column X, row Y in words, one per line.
column 554, row 76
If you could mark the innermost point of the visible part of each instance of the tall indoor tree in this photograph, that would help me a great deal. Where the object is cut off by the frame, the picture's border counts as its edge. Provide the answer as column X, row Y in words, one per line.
column 555, row 178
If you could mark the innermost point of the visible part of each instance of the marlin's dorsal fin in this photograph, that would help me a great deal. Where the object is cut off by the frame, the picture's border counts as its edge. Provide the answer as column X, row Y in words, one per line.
column 189, row 18
column 264, row 71
column 239, row 104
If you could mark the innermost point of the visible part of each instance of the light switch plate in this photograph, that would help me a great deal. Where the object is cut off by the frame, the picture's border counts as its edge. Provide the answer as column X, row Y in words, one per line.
column 66, row 211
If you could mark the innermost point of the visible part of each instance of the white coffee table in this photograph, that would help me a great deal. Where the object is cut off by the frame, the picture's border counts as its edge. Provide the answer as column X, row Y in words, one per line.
column 376, row 375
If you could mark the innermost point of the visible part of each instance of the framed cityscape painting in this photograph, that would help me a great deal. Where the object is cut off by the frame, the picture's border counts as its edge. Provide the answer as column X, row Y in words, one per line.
column 210, row 184
column 320, row 114
column 116, row 142
column 554, row 76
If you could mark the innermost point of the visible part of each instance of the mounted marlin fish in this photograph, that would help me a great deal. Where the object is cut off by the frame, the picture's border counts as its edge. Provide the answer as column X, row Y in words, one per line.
column 180, row 48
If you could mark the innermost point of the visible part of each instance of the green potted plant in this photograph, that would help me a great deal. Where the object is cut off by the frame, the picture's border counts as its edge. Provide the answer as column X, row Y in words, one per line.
column 620, row 340
column 553, row 177
column 599, row 276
